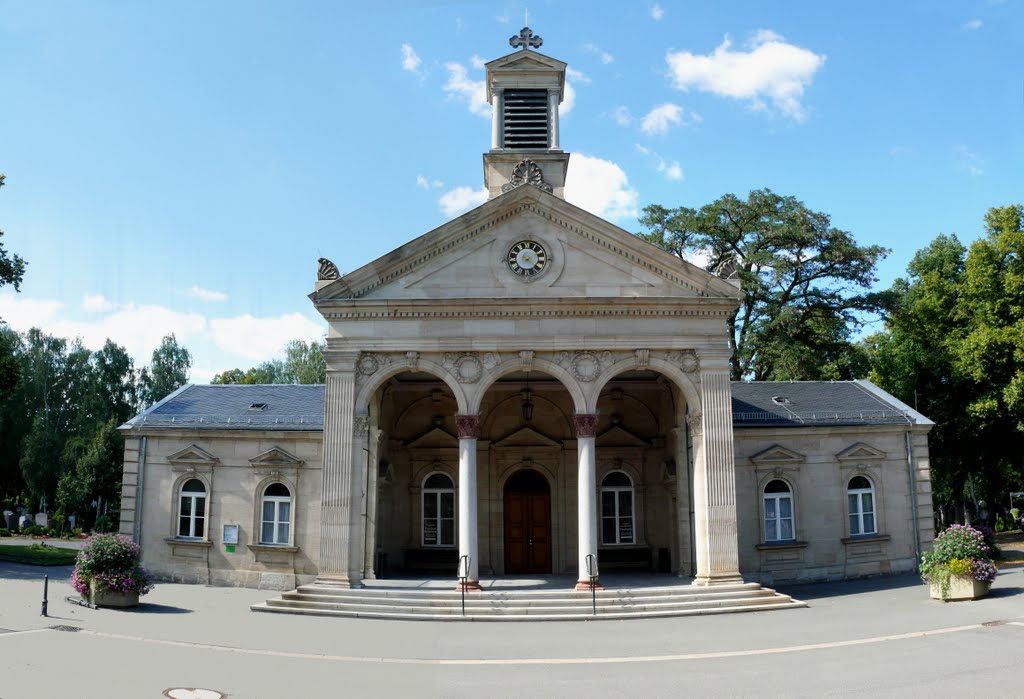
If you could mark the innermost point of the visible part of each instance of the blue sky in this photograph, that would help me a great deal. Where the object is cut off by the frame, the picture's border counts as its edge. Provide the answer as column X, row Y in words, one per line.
column 181, row 166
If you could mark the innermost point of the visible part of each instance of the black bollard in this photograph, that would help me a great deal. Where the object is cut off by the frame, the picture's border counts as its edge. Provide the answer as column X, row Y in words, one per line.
column 46, row 589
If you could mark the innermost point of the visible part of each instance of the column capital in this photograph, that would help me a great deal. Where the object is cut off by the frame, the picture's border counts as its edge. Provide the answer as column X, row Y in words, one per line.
column 468, row 426
column 696, row 423
column 586, row 424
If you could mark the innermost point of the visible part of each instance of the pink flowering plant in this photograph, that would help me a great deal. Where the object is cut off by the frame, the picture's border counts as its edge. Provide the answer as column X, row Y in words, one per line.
column 112, row 562
column 959, row 550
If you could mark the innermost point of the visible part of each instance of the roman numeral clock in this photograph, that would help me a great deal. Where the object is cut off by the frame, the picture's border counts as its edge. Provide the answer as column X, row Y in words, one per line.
column 527, row 258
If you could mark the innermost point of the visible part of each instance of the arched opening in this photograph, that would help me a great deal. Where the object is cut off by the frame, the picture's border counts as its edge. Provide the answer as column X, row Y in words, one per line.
column 527, row 503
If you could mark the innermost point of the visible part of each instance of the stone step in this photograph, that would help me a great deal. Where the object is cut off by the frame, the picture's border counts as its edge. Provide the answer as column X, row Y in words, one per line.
column 395, row 592
column 485, row 600
column 433, row 615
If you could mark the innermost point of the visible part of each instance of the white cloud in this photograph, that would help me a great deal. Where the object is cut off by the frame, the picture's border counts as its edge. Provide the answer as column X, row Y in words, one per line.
column 410, row 61
column 568, row 99
column 461, row 199
column 671, row 170
column 970, row 161
column 622, row 116
column 96, row 303
column 603, row 55
column 577, row 75
column 643, row 150
column 657, row 13
column 259, row 339
column 477, row 62
column 771, row 70
column 472, row 91
column 426, row 183
column 601, row 187
column 139, row 328
column 660, row 119
column 971, row 25
column 202, row 294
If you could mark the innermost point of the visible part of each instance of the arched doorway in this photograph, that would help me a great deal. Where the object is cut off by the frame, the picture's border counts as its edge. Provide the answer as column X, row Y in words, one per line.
column 527, row 523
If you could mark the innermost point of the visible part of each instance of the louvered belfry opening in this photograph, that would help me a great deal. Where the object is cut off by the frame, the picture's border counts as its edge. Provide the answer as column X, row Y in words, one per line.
column 526, row 119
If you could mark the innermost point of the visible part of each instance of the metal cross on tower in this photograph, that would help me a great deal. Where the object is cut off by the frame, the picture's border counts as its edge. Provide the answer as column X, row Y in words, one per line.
column 527, row 39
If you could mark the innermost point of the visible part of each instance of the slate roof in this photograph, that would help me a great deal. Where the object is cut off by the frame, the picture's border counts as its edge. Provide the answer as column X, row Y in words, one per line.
column 194, row 406
column 803, row 403
column 754, row 404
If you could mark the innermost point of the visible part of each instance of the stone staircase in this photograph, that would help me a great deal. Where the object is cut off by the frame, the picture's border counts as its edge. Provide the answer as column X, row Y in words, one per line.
column 527, row 605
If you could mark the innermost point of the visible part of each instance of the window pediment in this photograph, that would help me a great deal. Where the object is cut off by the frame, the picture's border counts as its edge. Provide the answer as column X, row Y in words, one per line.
column 777, row 455
column 618, row 437
column 433, row 439
column 860, row 452
column 276, row 457
column 526, row 437
column 192, row 458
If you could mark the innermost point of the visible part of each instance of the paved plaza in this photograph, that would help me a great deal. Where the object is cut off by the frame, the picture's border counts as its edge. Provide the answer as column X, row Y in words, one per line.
column 880, row 637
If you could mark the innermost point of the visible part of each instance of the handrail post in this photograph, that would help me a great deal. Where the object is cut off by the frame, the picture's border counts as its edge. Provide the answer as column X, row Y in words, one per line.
column 592, row 572
column 463, row 575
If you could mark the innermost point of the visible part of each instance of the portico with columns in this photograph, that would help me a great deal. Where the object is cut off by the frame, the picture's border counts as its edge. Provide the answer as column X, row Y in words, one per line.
column 527, row 337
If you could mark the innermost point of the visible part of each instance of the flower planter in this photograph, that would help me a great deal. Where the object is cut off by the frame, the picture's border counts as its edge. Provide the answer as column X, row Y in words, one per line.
column 961, row 587
column 111, row 598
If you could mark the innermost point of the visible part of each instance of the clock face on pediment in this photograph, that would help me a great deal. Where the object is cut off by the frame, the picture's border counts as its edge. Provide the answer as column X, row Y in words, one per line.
column 527, row 258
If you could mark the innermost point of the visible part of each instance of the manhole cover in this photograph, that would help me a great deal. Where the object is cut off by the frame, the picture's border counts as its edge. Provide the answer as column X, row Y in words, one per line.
column 192, row 693
column 65, row 627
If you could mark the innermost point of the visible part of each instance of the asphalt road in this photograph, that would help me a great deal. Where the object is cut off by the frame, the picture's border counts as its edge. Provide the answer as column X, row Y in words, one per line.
column 881, row 637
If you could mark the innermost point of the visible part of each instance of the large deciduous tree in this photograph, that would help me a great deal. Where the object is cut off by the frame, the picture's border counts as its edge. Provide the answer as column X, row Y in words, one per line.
column 805, row 284
column 12, row 267
column 167, row 372
column 303, row 364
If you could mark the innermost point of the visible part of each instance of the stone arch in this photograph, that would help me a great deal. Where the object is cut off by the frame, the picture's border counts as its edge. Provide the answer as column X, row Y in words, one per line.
column 397, row 366
column 566, row 419
column 671, row 371
column 509, row 366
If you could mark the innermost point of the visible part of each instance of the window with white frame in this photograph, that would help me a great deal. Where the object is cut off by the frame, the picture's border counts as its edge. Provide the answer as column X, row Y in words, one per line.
column 438, row 510
column 778, row 512
column 192, row 510
column 617, row 509
column 861, row 497
column 277, row 513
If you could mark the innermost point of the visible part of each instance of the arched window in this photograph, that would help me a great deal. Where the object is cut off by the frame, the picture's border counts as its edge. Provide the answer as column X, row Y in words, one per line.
column 438, row 511
column 617, row 509
column 192, row 510
column 861, row 496
column 277, row 515
column 778, row 512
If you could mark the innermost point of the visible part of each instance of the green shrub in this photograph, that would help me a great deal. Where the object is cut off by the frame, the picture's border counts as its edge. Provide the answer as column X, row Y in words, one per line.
column 4, row 532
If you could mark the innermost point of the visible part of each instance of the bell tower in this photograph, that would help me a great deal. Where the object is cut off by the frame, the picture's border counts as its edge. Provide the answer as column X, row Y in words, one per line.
column 525, row 89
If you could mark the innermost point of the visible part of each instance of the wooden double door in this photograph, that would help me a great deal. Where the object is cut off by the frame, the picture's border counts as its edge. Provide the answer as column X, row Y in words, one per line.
column 527, row 523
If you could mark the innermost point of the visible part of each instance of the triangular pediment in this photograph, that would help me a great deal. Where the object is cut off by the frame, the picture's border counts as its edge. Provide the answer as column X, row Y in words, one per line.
column 618, row 437
column 275, row 457
column 525, row 60
column 860, row 452
column 192, row 455
column 526, row 437
column 588, row 257
column 777, row 454
column 435, row 438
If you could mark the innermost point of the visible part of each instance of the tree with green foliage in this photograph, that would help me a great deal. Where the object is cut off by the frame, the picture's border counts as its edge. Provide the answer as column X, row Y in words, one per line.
column 167, row 372
column 805, row 284
column 92, row 469
column 304, row 363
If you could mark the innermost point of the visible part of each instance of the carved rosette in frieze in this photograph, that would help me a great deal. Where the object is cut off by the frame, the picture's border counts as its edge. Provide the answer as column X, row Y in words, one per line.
column 696, row 423
column 360, row 425
column 468, row 426
column 585, row 365
column 687, row 360
column 465, row 367
column 586, row 425
column 369, row 363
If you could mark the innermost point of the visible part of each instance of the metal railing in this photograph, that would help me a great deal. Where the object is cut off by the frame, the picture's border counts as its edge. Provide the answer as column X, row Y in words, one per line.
column 463, row 575
column 591, row 560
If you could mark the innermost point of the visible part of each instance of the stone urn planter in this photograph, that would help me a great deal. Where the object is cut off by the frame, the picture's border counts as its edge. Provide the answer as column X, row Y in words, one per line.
column 105, row 597
column 961, row 587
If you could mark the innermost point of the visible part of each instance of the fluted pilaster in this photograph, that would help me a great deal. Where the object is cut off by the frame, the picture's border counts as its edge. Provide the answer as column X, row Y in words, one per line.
column 336, row 505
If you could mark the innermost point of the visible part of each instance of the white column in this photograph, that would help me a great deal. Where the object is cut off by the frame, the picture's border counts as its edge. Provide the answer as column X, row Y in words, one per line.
column 469, row 431
column 683, row 543
column 586, row 495
column 337, row 493
column 497, row 118
column 714, row 483
column 370, row 525
column 553, row 118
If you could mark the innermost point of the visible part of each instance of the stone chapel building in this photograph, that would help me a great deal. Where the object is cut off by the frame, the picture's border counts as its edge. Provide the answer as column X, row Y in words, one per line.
column 536, row 389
